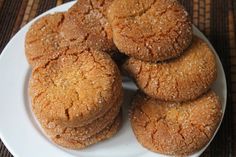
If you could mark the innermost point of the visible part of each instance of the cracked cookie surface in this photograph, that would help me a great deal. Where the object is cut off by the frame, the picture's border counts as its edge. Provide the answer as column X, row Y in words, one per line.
column 75, row 89
column 86, row 23
column 43, row 40
column 83, row 132
column 180, row 79
column 106, row 133
column 175, row 128
column 150, row 30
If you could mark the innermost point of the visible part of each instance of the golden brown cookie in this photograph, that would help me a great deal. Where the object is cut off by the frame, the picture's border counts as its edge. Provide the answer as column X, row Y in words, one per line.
column 177, row 129
column 86, row 23
column 73, row 90
column 83, row 132
column 180, row 79
column 106, row 133
column 150, row 30
column 43, row 41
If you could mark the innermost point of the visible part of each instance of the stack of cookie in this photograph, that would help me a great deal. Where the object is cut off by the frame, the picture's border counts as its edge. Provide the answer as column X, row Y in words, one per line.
column 75, row 87
column 178, row 114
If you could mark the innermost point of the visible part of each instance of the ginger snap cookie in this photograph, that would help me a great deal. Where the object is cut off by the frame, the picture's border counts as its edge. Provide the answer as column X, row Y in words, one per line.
column 86, row 131
column 75, row 89
column 152, row 30
column 177, row 129
column 86, row 23
column 106, row 133
column 43, row 41
column 180, row 79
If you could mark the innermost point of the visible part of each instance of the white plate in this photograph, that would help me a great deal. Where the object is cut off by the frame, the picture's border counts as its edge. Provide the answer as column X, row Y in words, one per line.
column 22, row 135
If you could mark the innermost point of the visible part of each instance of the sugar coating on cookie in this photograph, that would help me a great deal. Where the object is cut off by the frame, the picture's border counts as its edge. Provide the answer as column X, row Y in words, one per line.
column 105, row 134
column 150, row 30
column 86, row 131
column 75, row 89
column 180, row 79
column 43, row 40
column 86, row 23
column 175, row 128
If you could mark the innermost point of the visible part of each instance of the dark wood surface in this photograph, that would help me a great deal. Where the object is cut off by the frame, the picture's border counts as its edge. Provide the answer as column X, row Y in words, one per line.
column 215, row 18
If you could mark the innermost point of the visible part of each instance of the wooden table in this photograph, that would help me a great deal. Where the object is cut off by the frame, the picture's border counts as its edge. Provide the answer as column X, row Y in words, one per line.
column 215, row 18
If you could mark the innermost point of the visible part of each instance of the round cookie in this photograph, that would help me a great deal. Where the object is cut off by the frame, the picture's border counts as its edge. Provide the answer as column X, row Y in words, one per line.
column 86, row 23
column 106, row 133
column 73, row 90
column 43, row 41
column 150, row 30
column 83, row 132
column 180, row 79
column 177, row 129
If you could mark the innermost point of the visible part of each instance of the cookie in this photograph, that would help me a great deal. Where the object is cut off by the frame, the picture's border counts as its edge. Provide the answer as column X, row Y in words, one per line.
column 150, row 30
column 73, row 90
column 180, row 79
column 86, row 23
column 83, row 132
column 106, row 133
column 177, row 129
column 43, row 41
